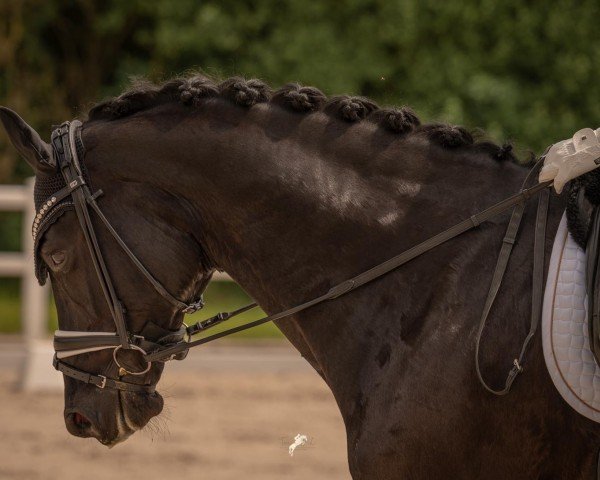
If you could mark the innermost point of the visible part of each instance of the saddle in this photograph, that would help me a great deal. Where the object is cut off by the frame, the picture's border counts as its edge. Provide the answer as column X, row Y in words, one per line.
column 593, row 283
column 583, row 219
column 571, row 308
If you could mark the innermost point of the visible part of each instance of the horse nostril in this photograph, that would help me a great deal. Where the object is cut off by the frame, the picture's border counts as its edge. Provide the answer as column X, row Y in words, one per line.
column 78, row 424
column 81, row 421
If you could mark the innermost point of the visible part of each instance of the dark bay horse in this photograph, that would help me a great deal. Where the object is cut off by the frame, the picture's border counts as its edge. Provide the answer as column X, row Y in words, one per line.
column 290, row 193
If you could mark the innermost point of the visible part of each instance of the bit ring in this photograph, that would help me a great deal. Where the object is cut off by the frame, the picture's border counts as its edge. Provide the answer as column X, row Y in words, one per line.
column 122, row 370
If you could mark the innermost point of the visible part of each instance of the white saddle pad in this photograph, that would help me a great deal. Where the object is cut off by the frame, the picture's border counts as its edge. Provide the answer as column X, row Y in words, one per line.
column 565, row 328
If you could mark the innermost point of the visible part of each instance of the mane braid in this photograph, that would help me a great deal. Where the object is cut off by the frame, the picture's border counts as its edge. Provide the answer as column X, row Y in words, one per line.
column 298, row 98
column 350, row 109
column 193, row 89
column 398, row 120
column 448, row 136
column 245, row 92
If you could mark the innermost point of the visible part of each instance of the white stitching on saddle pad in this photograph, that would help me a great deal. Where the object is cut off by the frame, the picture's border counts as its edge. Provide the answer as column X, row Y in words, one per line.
column 566, row 345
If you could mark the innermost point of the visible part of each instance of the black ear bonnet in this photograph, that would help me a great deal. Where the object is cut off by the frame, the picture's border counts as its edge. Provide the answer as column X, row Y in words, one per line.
column 49, row 209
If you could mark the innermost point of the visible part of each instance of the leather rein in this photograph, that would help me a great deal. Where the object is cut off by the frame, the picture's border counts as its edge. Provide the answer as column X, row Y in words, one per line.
column 68, row 153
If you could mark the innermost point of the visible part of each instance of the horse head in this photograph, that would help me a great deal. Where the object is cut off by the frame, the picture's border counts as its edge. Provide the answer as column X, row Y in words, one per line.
column 155, row 224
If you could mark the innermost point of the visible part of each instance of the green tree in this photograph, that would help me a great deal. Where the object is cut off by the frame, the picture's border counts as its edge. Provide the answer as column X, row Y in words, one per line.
column 520, row 70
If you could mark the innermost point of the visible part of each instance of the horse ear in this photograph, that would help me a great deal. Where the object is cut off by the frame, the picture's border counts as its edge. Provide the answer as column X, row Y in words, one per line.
column 28, row 143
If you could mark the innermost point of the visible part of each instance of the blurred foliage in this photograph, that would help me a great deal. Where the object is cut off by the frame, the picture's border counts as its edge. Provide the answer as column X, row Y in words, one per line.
column 523, row 71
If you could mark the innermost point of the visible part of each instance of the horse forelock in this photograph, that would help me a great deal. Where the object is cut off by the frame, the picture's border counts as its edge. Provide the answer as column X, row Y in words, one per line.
column 192, row 90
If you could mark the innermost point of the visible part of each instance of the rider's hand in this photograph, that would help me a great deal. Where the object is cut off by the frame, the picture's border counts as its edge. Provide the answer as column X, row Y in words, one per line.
column 571, row 158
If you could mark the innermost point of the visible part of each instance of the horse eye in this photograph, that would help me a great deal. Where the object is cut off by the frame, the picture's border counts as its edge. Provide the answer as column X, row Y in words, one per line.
column 58, row 257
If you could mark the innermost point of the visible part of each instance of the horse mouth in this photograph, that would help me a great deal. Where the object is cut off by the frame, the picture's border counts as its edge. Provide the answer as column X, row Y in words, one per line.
column 129, row 421
column 125, row 426
column 121, row 437
column 124, row 430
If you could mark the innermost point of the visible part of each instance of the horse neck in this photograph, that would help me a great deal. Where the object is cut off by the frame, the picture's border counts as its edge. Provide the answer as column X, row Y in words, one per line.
column 291, row 205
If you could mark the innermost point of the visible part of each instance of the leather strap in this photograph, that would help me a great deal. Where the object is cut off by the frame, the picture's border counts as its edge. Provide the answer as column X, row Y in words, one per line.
column 66, row 341
column 369, row 275
column 537, row 287
column 64, row 145
column 184, row 307
column 100, row 381
column 65, row 344
column 217, row 319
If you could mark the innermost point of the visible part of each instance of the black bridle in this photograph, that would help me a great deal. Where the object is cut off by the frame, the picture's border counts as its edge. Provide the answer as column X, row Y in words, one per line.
column 167, row 345
column 68, row 148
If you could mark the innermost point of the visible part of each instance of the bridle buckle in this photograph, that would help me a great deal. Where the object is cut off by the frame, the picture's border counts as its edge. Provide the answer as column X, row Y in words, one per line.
column 103, row 384
column 193, row 307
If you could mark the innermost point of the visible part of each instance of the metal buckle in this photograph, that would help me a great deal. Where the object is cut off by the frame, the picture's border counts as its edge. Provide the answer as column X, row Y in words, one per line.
column 187, row 334
column 136, row 340
column 103, row 384
column 517, row 365
column 194, row 306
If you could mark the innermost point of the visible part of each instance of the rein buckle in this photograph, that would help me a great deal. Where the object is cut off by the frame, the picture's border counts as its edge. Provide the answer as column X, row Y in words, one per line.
column 103, row 384
column 194, row 306
column 517, row 365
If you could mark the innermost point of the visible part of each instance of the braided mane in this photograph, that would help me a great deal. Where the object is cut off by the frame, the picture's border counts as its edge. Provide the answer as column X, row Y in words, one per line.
column 192, row 90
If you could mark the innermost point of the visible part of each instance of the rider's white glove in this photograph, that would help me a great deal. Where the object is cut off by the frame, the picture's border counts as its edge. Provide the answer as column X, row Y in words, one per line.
column 570, row 158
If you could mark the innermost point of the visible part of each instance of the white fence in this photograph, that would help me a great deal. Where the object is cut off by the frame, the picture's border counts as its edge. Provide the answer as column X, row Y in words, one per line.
column 37, row 370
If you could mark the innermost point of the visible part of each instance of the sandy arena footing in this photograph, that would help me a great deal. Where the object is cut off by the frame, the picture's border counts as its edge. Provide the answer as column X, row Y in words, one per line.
column 224, row 421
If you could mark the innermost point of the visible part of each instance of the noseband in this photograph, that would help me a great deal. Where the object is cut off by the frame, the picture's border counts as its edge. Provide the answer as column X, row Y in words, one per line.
column 168, row 345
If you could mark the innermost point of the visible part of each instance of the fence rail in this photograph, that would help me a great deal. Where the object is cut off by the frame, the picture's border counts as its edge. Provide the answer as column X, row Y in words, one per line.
column 12, row 264
column 37, row 372
column 15, row 197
